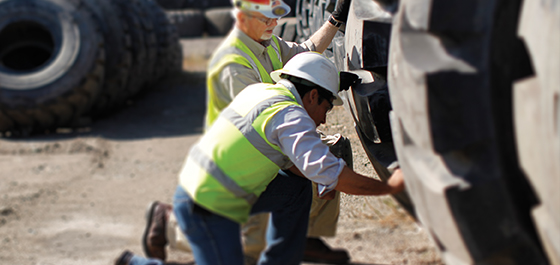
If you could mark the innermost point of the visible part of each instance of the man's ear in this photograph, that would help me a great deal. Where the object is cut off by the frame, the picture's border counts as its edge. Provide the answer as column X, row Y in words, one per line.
column 314, row 96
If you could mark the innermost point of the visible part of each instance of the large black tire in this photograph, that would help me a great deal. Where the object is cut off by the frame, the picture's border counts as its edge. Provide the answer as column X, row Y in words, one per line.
column 139, row 70
column 218, row 21
column 451, row 69
column 172, row 4
column 197, row 4
column 189, row 22
column 118, row 49
column 286, row 29
column 169, row 57
column 304, row 11
column 51, row 64
column 537, row 117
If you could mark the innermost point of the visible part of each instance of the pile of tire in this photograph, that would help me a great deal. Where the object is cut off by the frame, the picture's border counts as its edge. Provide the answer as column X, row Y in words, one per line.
column 310, row 15
column 63, row 62
column 212, row 18
column 194, row 19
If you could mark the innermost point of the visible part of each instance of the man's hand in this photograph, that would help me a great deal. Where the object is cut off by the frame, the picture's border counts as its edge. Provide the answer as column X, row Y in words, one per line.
column 328, row 196
column 340, row 13
column 396, row 181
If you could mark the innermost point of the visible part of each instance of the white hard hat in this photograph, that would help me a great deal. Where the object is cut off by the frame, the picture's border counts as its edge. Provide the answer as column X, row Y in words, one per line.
column 269, row 8
column 315, row 68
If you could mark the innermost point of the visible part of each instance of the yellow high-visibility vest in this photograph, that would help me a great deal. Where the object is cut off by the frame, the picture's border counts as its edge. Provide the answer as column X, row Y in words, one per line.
column 233, row 50
column 231, row 165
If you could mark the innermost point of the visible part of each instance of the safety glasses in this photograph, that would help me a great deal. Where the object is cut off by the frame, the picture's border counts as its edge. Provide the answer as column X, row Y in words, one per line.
column 266, row 21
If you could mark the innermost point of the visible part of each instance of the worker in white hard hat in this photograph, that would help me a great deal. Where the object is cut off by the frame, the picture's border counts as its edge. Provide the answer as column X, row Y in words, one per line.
column 233, row 170
column 249, row 53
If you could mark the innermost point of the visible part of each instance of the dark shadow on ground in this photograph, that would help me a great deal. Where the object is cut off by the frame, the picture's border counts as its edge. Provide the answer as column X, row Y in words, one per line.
column 175, row 106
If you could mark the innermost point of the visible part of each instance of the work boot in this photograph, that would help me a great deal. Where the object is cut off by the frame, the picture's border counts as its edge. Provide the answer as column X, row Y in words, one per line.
column 124, row 258
column 154, row 239
column 317, row 251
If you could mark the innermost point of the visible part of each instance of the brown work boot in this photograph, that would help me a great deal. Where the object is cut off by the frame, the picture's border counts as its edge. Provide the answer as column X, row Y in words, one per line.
column 154, row 239
column 317, row 251
column 124, row 258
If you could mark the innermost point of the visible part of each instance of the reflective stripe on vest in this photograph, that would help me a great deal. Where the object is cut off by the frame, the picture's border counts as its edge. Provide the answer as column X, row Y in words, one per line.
column 233, row 162
column 235, row 51
column 245, row 126
column 211, row 167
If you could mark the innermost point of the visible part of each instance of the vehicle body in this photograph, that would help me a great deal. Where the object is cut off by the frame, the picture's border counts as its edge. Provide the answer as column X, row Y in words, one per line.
column 465, row 96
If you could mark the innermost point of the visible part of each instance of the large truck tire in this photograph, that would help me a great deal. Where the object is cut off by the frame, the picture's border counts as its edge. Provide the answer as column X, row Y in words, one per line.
column 171, row 4
column 286, row 29
column 189, row 22
column 169, row 56
column 304, row 12
column 118, row 53
column 451, row 73
column 218, row 21
column 51, row 64
column 140, row 44
column 197, row 4
column 537, row 117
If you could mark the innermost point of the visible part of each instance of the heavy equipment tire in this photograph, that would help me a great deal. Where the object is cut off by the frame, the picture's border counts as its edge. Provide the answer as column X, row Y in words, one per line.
column 451, row 72
column 169, row 53
column 118, row 56
column 304, row 12
column 51, row 64
column 189, row 22
column 139, row 70
column 537, row 117
column 286, row 29
column 197, row 4
column 171, row 4
column 150, row 40
column 218, row 21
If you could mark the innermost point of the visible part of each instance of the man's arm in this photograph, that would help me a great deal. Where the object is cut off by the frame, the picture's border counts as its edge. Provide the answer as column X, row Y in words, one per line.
column 353, row 183
column 323, row 37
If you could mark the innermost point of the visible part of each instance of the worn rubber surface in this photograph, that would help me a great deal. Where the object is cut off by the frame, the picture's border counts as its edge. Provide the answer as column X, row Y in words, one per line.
column 537, row 117
column 218, row 21
column 42, row 94
column 452, row 68
column 188, row 22
column 286, row 29
column 118, row 52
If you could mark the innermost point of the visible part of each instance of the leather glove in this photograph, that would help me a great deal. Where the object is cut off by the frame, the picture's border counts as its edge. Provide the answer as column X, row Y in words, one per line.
column 340, row 13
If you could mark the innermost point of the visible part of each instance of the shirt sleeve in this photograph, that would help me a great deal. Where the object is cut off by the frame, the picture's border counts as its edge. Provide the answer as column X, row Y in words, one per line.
column 295, row 133
column 289, row 49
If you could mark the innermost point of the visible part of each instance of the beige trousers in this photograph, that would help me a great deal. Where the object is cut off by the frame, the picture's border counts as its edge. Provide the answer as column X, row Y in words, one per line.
column 323, row 217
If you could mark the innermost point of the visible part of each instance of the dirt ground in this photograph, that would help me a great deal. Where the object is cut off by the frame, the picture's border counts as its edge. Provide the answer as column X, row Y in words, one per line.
column 79, row 196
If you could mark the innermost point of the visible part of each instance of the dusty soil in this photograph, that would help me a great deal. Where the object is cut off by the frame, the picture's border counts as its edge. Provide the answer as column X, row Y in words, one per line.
column 79, row 196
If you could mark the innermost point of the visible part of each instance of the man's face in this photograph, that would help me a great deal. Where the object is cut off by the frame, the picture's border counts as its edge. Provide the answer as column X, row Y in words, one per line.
column 317, row 111
column 257, row 26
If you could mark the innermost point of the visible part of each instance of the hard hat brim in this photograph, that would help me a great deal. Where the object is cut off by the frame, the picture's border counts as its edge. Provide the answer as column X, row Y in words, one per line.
column 278, row 9
column 275, row 75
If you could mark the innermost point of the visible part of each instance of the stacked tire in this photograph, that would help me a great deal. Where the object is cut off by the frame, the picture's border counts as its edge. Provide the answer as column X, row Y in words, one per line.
column 213, row 18
column 63, row 62
column 194, row 19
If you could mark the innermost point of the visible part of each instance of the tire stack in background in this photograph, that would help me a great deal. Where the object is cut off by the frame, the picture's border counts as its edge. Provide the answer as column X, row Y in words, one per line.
column 63, row 62
column 213, row 18
column 194, row 19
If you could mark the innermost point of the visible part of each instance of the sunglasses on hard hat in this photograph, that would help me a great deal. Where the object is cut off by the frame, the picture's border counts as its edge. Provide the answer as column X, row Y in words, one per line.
column 266, row 21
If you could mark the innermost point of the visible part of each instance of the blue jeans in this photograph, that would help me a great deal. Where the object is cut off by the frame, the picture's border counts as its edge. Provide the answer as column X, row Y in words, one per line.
column 216, row 240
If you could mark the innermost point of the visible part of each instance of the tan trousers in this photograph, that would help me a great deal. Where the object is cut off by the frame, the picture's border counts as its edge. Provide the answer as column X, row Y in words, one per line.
column 323, row 217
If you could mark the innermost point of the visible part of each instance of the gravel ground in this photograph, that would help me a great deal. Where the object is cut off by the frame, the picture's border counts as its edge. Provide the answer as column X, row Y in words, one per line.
column 78, row 196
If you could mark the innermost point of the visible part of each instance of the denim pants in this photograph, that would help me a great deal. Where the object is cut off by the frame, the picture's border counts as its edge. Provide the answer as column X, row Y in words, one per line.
column 216, row 240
